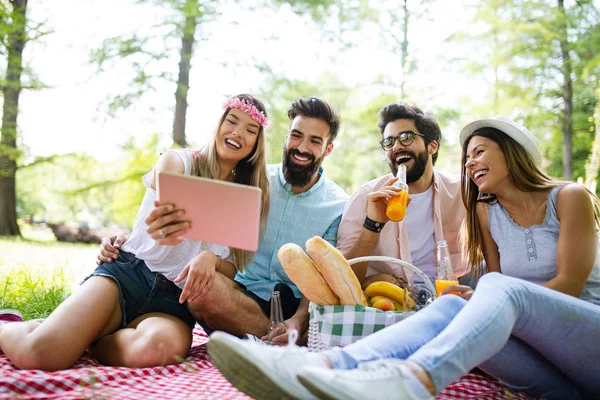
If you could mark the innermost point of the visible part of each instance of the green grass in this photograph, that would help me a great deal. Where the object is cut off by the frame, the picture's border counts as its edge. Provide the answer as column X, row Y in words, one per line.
column 37, row 275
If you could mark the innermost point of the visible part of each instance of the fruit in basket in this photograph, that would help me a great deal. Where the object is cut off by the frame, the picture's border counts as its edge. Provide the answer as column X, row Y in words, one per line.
column 383, row 277
column 391, row 291
column 374, row 299
column 384, row 304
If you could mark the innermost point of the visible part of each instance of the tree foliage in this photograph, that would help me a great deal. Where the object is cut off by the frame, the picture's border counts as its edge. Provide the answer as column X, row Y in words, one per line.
column 515, row 46
column 96, row 194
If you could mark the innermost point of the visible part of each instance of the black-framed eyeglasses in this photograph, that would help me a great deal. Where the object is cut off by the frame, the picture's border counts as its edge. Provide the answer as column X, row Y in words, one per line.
column 405, row 138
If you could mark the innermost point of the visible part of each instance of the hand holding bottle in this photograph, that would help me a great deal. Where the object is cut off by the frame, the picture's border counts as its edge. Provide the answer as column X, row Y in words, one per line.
column 445, row 276
column 377, row 201
column 396, row 206
column 277, row 326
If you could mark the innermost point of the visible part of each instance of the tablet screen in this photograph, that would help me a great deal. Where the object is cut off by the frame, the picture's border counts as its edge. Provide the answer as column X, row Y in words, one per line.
column 221, row 212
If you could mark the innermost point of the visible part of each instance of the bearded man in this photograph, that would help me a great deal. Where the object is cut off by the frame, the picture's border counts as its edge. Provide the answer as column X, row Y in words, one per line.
column 303, row 203
column 435, row 211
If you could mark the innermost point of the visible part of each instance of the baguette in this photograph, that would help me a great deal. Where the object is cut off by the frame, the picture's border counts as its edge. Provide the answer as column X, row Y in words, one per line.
column 303, row 272
column 337, row 271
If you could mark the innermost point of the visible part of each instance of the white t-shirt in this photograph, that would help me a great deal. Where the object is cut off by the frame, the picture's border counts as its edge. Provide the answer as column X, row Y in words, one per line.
column 168, row 260
column 420, row 229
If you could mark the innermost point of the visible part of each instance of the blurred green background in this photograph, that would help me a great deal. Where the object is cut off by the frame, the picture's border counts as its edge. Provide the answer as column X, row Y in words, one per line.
column 94, row 91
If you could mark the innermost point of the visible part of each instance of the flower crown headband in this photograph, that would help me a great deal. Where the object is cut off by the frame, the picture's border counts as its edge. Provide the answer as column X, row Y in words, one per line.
column 248, row 108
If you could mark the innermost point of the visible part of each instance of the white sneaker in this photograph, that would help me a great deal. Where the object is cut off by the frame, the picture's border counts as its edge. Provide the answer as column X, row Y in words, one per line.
column 376, row 380
column 262, row 372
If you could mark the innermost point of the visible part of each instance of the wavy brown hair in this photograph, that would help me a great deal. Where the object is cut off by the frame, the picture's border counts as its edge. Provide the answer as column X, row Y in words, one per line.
column 252, row 171
column 523, row 173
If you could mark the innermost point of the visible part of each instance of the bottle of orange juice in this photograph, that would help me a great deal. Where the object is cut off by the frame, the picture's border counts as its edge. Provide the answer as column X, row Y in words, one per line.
column 396, row 206
column 445, row 276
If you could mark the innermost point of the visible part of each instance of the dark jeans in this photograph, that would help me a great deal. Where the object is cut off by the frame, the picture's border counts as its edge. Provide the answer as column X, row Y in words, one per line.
column 142, row 291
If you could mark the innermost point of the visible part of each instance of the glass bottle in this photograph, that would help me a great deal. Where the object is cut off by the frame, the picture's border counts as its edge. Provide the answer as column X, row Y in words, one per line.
column 277, row 326
column 445, row 275
column 396, row 206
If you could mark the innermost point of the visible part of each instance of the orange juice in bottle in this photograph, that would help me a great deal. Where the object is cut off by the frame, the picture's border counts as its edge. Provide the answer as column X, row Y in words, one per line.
column 445, row 276
column 396, row 206
column 443, row 284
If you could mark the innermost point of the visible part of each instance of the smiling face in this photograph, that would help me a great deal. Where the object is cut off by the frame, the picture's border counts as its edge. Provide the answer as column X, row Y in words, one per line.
column 237, row 136
column 306, row 145
column 485, row 164
column 416, row 156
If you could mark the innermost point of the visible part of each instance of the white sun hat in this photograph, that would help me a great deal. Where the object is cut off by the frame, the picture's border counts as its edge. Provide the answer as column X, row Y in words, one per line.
column 518, row 132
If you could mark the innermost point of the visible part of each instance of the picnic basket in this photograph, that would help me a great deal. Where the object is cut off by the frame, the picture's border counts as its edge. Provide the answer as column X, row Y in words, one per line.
column 340, row 325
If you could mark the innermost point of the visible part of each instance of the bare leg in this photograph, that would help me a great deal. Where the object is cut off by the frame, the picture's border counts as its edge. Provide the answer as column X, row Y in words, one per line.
column 58, row 341
column 149, row 340
column 226, row 308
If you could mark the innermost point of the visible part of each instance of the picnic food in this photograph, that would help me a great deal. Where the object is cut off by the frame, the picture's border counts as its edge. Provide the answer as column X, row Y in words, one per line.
column 373, row 300
column 384, row 304
column 383, row 277
column 337, row 271
column 391, row 291
column 303, row 272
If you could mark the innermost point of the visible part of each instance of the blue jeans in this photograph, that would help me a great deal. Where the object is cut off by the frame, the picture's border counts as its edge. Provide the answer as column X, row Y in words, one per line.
column 531, row 338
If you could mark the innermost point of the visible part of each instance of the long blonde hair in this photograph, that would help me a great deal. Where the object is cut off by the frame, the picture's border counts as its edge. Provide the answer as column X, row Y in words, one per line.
column 523, row 173
column 252, row 171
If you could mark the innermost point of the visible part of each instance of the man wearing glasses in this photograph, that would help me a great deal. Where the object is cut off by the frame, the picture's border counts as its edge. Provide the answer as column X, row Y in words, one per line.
column 435, row 211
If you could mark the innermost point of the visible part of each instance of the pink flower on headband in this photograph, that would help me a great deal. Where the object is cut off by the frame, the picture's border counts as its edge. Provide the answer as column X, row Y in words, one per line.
column 248, row 108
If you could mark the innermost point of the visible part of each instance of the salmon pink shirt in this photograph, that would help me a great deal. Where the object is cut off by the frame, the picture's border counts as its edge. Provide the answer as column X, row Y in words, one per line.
column 448, row 215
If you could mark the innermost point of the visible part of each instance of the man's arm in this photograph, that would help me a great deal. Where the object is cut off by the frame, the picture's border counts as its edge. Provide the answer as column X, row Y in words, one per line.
column 354, row 240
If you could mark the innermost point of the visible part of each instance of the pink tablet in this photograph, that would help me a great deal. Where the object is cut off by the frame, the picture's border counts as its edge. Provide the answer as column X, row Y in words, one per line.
column 221, row 212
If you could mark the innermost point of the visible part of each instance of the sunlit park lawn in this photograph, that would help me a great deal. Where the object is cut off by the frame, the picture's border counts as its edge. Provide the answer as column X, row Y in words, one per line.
column 37, row 272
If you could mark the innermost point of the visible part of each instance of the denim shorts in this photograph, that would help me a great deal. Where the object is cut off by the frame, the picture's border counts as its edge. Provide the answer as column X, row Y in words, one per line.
column 142, row 291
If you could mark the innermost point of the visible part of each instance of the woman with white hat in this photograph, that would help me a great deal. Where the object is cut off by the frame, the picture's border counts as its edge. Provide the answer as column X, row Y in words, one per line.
column 533, row 321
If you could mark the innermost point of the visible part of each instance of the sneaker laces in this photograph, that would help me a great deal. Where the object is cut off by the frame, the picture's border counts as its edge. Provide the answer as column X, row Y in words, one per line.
column 292, row 338
column 386, row 368
column 291, row 344
column 291, row 348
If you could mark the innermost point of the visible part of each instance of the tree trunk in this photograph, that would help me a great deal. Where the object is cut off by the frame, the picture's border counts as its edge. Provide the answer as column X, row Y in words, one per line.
column 191, row 10
column 10, row 110
column 567, row 94
column 591, row 170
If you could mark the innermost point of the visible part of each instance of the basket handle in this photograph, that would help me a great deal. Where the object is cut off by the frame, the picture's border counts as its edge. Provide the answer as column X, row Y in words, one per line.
column 403, row 264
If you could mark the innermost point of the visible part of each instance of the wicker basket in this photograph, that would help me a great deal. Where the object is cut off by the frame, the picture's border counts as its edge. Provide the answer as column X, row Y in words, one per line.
column 315, row 342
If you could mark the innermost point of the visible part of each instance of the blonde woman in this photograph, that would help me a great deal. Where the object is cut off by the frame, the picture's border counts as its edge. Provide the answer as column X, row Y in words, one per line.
column 131, row 311
column 533, row 322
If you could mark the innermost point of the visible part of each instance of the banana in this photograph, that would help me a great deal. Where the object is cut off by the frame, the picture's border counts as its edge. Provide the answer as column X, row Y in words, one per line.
column 390, row 290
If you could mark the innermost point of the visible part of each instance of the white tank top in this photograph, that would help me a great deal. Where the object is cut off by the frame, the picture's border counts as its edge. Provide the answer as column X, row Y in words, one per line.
column 420, row 228
column 168, row 260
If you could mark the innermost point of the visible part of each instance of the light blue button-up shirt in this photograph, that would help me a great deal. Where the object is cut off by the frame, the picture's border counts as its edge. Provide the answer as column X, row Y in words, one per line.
column 292, row 219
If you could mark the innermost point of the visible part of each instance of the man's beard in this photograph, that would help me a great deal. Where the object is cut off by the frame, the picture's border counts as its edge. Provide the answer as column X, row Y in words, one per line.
column 299, row 175
column 419, row 164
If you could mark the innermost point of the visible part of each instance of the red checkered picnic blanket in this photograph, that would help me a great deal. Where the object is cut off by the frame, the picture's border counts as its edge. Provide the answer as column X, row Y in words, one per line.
column 195, row 379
